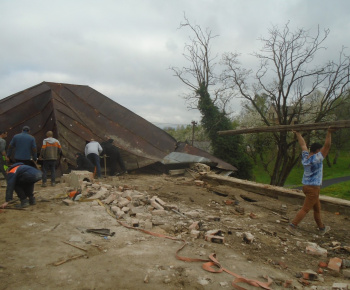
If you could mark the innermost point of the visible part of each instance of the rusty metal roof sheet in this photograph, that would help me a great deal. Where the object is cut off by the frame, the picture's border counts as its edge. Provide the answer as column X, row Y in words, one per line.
column 76, row 113
column 186, row 148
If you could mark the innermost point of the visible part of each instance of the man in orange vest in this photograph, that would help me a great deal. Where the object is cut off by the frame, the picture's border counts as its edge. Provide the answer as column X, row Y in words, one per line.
column 50, row 152
column 21, row 178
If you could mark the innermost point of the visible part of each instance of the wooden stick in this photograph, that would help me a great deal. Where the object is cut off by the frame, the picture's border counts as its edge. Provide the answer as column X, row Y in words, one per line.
column 74, row 246
column 67, row 260
column 298, row 127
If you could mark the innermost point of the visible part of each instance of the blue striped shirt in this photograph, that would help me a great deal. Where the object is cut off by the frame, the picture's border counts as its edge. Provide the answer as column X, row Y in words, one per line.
column 313, row 168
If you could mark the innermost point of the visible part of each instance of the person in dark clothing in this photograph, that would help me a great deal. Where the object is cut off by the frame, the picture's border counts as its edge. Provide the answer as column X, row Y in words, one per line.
column 21, row 179
column 113, row 157
column 83, row 163
column 24, row 147
column 3, row 157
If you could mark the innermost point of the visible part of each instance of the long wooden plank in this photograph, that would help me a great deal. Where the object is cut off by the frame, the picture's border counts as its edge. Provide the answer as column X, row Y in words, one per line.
column 298, row 127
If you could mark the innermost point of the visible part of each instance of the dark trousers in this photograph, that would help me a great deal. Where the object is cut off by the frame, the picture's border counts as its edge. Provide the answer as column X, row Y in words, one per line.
column 24, row 190
column 49, row 165
column 95, row 159
column 113, row 161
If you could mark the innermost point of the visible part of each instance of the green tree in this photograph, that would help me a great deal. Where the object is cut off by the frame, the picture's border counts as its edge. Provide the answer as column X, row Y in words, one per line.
column 228, row 148
column 200, row 77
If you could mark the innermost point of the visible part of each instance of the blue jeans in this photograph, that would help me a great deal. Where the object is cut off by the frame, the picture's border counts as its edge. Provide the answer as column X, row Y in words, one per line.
column 49, row 165
column 95, row 159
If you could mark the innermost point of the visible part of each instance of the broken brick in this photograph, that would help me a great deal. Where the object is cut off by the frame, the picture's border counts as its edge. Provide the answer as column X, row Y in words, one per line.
column 334, row 264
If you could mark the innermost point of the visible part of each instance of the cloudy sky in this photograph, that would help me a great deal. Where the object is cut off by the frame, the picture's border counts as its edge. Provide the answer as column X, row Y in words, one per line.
column 124, row 49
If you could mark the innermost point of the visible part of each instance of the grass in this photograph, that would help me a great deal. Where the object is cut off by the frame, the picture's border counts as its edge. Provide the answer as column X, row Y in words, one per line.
column 341, row 169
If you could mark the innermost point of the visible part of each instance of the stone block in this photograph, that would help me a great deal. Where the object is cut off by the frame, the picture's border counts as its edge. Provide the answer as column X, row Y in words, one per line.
column 314, row 249
column 77, row 177
column 68, row 201
column 156, row 205
column 340, row 286
column 160, row 212
column 194, row 226
column 334, row 264
column 195, row 234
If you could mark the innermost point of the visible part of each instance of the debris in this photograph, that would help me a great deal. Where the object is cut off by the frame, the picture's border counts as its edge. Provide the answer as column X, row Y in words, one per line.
column 253, row 216
column 248, row 237
column 309, row 275
column 340, row 286
column 177, row 172
column 74, row 246
column 334, row 264
column 67, row 260
column 179, row 213
column 68, row 201
column 54, row 227
column 214, row 236
column 314, row 249
column 146, row 279
column 102, row 232
column 346, row 263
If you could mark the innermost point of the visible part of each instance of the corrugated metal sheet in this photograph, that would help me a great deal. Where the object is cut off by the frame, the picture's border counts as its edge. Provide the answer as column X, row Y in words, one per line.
column 77, row 113
column 186, row 148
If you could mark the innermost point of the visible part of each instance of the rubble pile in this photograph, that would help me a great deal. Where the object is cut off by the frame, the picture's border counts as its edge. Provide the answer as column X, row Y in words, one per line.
column 215, row 224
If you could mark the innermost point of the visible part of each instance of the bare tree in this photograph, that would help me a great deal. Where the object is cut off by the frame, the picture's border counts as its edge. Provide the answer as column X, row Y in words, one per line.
column 288, row 79
column 201, row 65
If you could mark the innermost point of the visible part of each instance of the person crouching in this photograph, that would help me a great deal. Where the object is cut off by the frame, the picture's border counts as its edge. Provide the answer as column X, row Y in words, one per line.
column 21, row 179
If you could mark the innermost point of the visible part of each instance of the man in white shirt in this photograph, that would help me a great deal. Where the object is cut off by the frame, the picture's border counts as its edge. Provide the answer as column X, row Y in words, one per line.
column 93, row 150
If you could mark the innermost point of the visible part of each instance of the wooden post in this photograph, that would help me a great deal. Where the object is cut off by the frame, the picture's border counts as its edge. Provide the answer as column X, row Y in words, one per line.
column 298, row 127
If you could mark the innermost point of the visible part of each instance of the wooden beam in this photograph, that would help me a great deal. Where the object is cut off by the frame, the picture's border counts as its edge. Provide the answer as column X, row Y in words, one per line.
column 298, row 127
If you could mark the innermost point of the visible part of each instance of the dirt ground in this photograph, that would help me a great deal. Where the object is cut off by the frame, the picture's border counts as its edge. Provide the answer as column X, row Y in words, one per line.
column 32, row 240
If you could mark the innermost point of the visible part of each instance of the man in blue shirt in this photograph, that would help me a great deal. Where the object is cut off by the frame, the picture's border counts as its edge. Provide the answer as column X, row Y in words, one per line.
column 312, row 181
column 21, row 179
column 24, row 146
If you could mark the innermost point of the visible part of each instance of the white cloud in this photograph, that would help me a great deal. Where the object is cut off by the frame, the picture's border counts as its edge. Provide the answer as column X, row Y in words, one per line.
column 124, row 48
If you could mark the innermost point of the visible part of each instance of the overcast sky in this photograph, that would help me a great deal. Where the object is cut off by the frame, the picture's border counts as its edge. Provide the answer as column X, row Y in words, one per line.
column 124, row 49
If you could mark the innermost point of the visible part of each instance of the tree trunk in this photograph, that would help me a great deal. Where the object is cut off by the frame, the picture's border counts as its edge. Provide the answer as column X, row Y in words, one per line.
column 328, row 161
column 336, row 157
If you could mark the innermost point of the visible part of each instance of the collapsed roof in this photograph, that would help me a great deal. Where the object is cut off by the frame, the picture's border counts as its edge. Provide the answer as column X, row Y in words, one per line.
column 76, row 113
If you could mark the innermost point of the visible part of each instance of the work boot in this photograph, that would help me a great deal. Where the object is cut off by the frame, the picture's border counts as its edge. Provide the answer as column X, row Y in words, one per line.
column 32, row 201
column 324, row 230
column 24, row 203
column 43, row 184
column 293, row 230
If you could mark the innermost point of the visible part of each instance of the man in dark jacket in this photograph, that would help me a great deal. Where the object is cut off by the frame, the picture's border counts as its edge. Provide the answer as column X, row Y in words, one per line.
column 24, row 147
column 21, row 178
column 83, row 163
column 113, row 157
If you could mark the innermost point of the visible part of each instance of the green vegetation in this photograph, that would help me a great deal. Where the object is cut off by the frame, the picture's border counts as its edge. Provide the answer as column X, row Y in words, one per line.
column 341, row 169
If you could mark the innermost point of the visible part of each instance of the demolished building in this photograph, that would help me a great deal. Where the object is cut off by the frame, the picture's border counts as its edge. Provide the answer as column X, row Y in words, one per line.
column 77, row 113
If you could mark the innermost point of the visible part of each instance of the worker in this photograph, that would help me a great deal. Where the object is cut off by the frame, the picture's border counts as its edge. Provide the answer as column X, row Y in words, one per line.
column 3, row 157
column 50, row 152
column 21, row 179
column 24, row 146
column 83, row 163
column 113, row 156
column 312, row 181
column 93, row 150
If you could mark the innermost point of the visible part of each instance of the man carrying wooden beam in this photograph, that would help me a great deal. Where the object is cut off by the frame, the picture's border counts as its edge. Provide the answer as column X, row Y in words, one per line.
column 312, row 181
